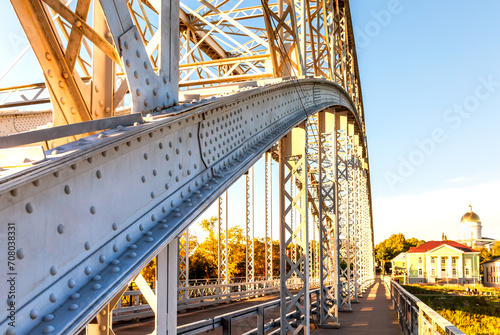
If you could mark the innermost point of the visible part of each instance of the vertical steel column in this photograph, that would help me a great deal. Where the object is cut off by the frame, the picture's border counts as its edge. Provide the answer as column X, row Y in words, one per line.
column 269, row 219
column 103, row 71
column 293, row 218
column 312, row 263
column 358, row 225
column 184, row 264
column 223, row 275
column 249, row 230
column 148, row 90
column 169, row 50
column 328, row 230
column 302, row 17
column 351, row 210
column 166, row 290
column 342, row 217
column 313, row 190
column 293, row 162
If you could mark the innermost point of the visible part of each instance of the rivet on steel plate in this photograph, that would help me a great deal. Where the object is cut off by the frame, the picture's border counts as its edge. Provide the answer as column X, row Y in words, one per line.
column 20, row 253
column 33, row 314
column 48, row 329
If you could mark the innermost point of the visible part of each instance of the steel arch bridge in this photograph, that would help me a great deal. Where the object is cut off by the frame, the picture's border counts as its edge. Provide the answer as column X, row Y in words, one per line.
column 158, row 107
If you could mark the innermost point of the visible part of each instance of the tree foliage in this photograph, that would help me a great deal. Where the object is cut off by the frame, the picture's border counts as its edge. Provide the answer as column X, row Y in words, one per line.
column 487, row 255
column 393, row 246
column 203, row 261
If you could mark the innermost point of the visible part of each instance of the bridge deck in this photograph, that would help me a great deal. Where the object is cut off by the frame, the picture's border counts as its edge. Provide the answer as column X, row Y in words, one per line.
column 373, row 315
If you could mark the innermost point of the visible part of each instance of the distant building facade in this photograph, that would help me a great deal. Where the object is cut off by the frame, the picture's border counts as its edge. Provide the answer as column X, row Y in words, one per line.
column 471, row 232
column 443, row 262
column 491, row 272
column 399, row 264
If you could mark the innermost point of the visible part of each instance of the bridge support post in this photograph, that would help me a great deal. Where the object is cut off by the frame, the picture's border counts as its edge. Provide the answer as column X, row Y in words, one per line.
column 269, row 212
column 293, row 162
column 358, row 223
column 249, row 230
column 184, row 265
column 222, row 224
column 342, row 198
column 352, row 213
column 166, row 290
column 328, row 228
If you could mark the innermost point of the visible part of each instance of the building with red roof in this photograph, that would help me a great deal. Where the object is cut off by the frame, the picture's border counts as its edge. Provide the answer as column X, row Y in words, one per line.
column 443, row 262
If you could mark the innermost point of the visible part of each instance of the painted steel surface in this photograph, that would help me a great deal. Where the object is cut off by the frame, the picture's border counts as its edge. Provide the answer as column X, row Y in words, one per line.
column 99, row 209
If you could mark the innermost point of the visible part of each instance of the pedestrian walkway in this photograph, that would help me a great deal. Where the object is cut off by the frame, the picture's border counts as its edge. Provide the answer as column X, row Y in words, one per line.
column 372, row 315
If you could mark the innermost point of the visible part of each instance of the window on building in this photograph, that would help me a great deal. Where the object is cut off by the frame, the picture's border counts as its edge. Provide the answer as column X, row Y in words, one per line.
column 433, row 272
column 433, row 260
column 443, row 260
column 454, row 271
column 453, row 260
column 420, row 260
column 467, row 272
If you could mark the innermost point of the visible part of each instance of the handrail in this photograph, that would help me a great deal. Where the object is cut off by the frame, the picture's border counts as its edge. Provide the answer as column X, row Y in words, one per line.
column 414, row 316
column 225, row 320
column 199, row 296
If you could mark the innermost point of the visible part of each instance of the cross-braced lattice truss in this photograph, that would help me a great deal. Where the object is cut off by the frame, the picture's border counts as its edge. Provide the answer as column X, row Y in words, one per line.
column 249, row 227
column 108, row 57
column 293, row 162
column 342, row 180
column 223, row 245
column 268, row 216
column 184, row 263
column 328, row 229
column 96, row 53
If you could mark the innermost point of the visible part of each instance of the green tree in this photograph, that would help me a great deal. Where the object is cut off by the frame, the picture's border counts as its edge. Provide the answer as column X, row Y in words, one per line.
column 203, row 261
column 393, row 246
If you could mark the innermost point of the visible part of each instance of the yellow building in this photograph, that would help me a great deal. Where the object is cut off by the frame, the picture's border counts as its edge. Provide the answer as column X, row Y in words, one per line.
column 443, row 262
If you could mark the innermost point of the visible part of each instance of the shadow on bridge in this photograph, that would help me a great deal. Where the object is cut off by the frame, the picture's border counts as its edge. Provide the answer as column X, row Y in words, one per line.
column 373, row 315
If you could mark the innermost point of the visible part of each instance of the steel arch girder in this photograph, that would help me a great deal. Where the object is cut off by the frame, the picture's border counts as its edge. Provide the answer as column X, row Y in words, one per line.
column 73, row 259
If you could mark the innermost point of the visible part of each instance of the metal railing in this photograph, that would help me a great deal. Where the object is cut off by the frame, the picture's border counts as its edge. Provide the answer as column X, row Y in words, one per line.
column 414, row 316
column 200, row 293
column 271, row 327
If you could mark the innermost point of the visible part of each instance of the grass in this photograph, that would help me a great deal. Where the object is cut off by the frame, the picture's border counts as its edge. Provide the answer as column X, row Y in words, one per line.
column 447, row 289
column 474, row 315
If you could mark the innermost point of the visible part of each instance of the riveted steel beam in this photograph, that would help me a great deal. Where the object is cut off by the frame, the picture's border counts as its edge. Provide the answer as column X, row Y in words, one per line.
column 87, row 226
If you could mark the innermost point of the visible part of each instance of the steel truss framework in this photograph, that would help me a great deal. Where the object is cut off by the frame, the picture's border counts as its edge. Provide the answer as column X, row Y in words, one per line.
column 97, row 54
column 293, row 162
column 249, row 227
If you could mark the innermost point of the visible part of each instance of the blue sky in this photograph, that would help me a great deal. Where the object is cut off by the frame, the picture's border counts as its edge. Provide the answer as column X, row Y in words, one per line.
column 419, row 62
column 430, row 76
